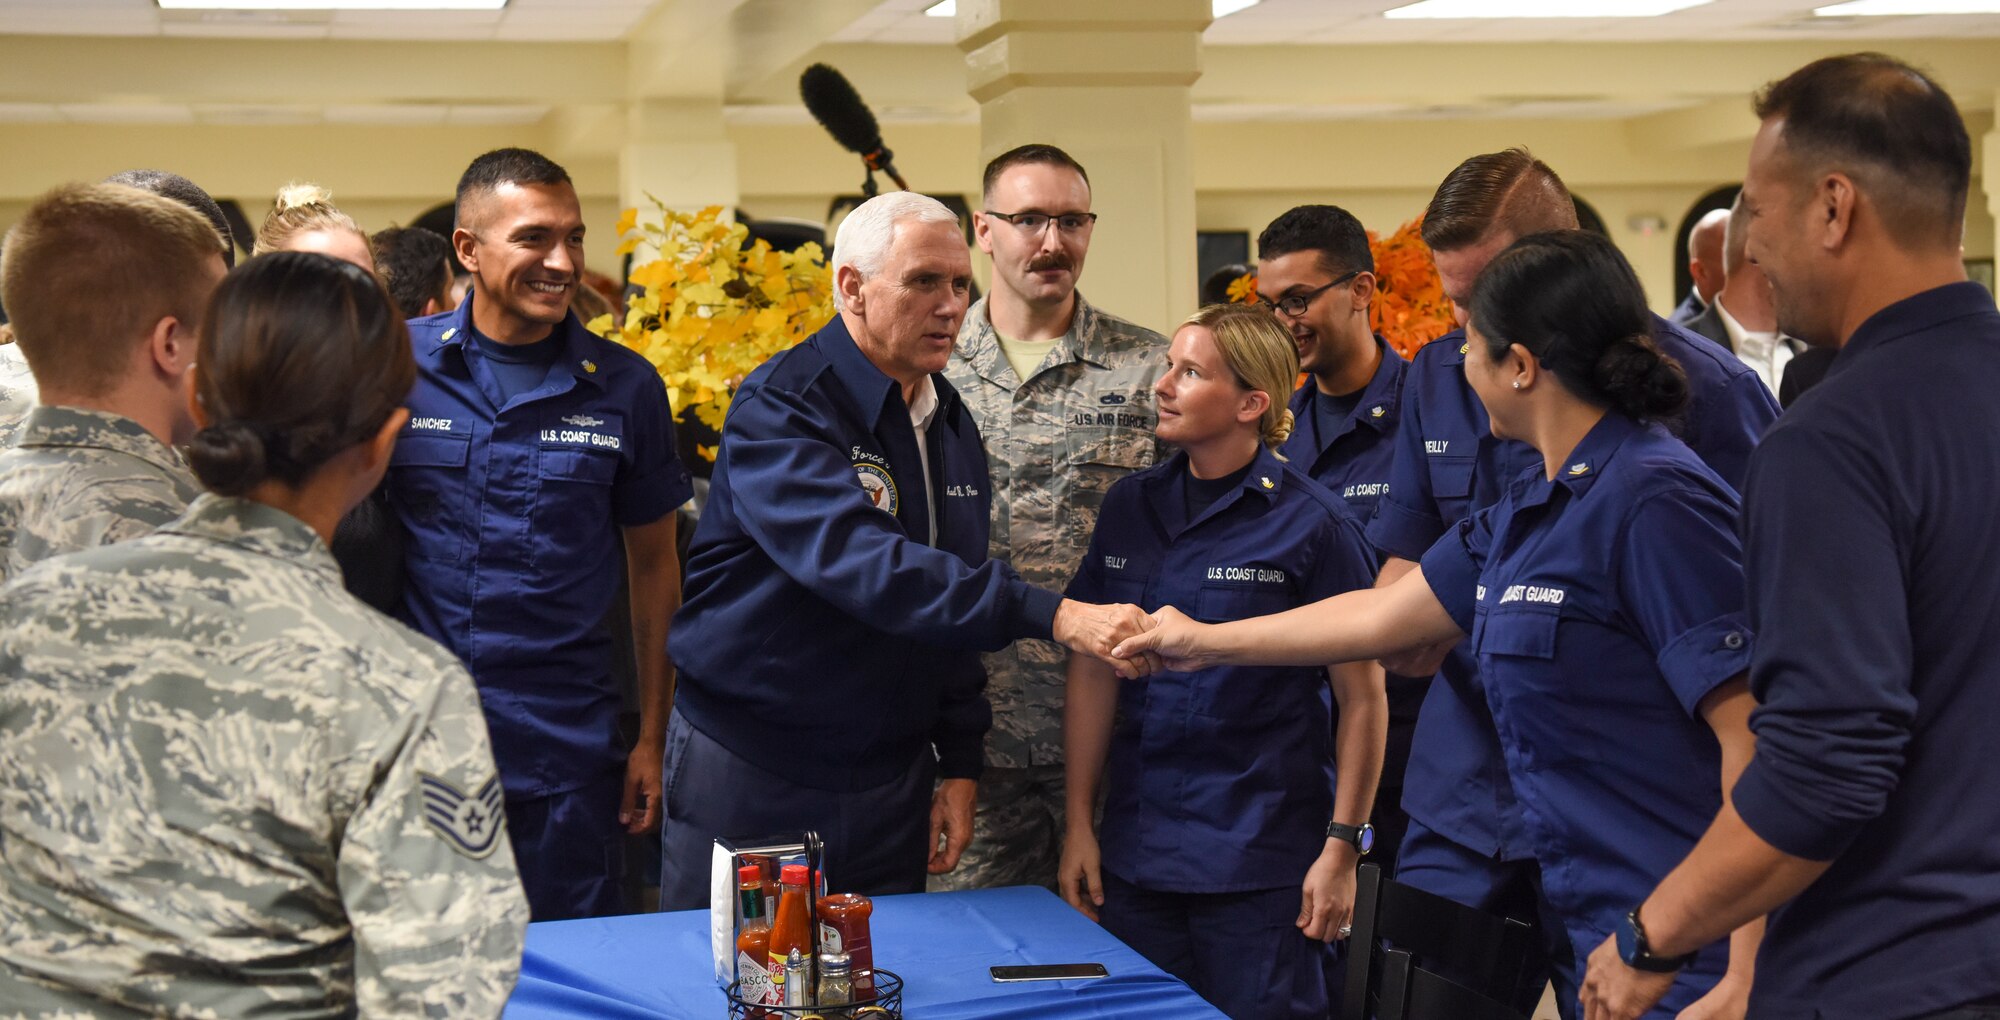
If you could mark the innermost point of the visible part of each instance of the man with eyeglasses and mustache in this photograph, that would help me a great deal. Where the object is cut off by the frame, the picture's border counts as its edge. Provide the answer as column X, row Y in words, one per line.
column 1063, row 396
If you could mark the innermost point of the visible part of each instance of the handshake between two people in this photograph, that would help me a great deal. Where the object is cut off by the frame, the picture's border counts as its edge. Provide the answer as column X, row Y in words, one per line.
column 1134, row 642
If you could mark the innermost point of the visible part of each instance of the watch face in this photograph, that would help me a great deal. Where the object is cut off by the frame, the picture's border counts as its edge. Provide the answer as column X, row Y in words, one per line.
column 1367, row 839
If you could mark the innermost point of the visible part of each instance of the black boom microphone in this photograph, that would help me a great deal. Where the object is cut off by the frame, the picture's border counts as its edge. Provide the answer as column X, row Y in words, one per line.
column 839, row 110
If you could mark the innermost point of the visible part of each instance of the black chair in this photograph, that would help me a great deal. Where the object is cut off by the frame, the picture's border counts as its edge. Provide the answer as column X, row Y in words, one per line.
column 1443, row 960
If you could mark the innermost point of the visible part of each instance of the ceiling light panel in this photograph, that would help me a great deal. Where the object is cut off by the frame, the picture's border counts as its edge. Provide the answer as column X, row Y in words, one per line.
column 1486, row 9
column 1885, row 8
column 331, row 5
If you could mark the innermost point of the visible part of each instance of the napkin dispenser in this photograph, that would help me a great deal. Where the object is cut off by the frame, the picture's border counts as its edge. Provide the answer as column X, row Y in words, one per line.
column 767, row 853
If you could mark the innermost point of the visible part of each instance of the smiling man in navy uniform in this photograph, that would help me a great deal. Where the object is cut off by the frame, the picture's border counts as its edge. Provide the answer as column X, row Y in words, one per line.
column 839, row 588
column 1865, row 821
column 535, row 454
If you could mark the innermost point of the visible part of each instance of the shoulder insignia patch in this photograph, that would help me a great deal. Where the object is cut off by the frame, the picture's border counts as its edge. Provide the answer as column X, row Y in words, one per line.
column 471, row 822
column 878, row 487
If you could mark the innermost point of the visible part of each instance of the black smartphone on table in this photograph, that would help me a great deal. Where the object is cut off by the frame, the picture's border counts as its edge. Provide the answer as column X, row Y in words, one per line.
column 1050, row 972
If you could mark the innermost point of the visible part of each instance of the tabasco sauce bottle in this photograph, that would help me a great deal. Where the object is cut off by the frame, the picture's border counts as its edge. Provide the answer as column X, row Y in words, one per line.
column 753, row 943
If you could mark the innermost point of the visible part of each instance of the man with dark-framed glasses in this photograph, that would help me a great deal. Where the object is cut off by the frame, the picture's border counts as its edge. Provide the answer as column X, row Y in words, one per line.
column 1063, row 396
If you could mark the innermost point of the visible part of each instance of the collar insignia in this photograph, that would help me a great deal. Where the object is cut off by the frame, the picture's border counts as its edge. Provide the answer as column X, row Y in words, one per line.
column 1376, row 411
column 1578, row 468
column 1267, row 481
column 589, row 366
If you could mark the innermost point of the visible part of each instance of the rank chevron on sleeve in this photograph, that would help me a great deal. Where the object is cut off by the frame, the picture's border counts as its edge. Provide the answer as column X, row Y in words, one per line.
column 471, row 823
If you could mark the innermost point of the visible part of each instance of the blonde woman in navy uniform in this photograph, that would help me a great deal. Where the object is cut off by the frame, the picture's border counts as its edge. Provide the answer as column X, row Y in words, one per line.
column 1605, row 601
column 1217, row 861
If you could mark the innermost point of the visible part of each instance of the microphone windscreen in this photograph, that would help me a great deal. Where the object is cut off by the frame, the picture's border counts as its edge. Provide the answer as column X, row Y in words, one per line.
column 839, row 109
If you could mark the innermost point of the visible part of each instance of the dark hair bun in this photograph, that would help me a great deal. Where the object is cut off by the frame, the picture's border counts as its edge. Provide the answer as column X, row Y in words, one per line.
column 1640, row 379
column 229, row 457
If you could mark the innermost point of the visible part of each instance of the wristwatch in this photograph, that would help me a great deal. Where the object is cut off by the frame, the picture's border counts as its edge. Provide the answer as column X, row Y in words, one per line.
column 1361, row 838
column 1638, row 954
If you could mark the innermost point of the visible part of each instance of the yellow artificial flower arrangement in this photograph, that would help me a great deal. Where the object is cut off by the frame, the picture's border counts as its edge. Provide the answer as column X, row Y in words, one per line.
column 711, row 309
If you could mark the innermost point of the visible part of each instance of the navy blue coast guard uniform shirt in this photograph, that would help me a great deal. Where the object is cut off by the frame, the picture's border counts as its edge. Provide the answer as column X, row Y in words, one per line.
column 821, row 638
column 1221, row 780
column 1448, row 465
column 1874, row 568
column 512, row 507
column 1353, row 460
column 1602, row 607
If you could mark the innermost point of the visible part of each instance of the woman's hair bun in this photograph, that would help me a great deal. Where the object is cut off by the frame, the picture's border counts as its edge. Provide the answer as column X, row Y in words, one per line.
column 1640, row 379
column 1281, row 430
column 299, row 194
column 229, row 457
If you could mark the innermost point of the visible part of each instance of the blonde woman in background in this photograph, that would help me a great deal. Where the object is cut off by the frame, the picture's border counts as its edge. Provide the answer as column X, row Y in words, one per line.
column 368, row 544
column 305, row 219
column 1217, row 861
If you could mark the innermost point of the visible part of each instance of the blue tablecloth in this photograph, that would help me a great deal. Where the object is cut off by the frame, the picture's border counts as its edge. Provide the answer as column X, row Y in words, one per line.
column 654, row 965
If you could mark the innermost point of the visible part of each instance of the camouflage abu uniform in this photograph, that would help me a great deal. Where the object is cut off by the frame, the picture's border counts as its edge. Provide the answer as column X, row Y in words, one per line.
column 1054, row 445
column 228, row 788
column 17, row 391
column 79, row 479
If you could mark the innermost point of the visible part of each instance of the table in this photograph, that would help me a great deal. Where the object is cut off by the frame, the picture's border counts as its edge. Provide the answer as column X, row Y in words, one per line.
column 654, row 965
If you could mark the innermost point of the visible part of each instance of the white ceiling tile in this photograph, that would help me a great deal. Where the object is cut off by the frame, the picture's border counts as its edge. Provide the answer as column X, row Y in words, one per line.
column 392, row 114
column 127, row 113
column 496, row 114
column 247, row 30
column 255, row 115
column 29, row 113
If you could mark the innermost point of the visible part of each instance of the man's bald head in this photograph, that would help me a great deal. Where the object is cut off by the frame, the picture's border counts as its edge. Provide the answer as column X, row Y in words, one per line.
column 1705, row 253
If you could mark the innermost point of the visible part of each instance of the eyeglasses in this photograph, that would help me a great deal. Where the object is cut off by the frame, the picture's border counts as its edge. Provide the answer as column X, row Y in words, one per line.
column 1295, row 305
column 1036, row 222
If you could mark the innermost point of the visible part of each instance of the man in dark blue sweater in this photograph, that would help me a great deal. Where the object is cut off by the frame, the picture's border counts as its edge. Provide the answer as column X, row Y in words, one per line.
column 839, row 588
column 1866, row 822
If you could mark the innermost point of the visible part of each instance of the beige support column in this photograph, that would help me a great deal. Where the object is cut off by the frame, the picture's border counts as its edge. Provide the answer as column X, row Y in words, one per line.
column 679, row 151
column 1107, row 81
column 1989, row 164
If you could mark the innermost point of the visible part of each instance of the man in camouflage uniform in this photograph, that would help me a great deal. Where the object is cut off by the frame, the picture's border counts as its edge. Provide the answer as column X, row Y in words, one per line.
column 233, row 789
column 17, row 388
column 94, row 463
column 1063, row 396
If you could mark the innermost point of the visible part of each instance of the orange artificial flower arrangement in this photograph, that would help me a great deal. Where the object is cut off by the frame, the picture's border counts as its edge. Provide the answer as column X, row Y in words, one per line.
column 1410, row 309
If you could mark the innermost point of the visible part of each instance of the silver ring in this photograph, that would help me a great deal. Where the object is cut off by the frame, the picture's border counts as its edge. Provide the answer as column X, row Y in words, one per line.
column 1346, row 930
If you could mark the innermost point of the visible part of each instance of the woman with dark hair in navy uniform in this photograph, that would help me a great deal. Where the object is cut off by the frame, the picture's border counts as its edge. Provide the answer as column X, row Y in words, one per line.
column 1218, row 862
column 1603, row 594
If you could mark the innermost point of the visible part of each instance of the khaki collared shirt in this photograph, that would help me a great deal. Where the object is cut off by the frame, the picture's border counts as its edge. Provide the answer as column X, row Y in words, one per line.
column 232, row 789
column 78, row 479
column 1054, row 444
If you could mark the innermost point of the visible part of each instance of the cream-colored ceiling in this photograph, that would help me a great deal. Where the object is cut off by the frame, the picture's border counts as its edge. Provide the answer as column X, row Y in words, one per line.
column 1297, row 22
column 1324, row 22
column 97, row 62
column 520, row 20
